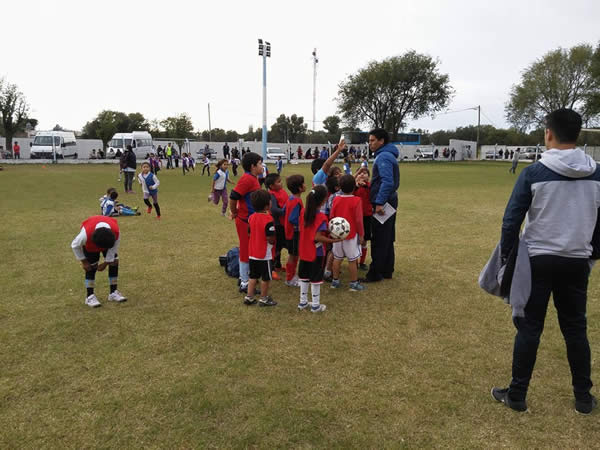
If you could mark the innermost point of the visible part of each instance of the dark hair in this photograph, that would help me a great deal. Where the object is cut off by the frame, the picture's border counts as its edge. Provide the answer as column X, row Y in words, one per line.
column 109, row 190
column 129, row 147
column 220, row 163
column 316, row 165
column 313, row 201
column 380, row 133
column 294, row 183
column 332, row 184
column 565, row 124
column 271, row 179
column 347, row 184
column 250, row 159
column 260, row 200
column 333, row 171
column 114, row 195
column 103, row 237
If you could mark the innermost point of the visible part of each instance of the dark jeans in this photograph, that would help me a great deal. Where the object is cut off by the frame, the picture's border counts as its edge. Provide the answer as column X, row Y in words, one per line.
column 382, row 249
column 128, row 180
column 567, row 280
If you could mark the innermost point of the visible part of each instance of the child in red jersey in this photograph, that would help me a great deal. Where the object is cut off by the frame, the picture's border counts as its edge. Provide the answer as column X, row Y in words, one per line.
column 350, row 208
column 262, row 241
column 279, row 198
column 241, row 209
column 293, row 211
column 313, row 236
column 99, row 234
column 363, row 190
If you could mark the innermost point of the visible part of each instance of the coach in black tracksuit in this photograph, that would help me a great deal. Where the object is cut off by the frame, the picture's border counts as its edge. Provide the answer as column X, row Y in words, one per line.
column 560, row 195
column 384, row 186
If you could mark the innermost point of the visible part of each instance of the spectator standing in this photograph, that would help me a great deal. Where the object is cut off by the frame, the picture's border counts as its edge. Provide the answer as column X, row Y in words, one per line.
column 515, row 161
column 324, row 153
column 128, row 166
column 384, row 186
column 226, row 151
column 560, row 196
column 169, row 153
column 452, row 155
column 17, row 150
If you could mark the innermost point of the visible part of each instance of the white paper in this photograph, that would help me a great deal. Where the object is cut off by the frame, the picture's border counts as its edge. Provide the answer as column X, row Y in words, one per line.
column 388, row 211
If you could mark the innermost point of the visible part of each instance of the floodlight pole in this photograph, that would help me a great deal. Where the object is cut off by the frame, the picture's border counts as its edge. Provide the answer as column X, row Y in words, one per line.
column 315, row 61
column 209, row 128
column 264, row 51
column 478, row 126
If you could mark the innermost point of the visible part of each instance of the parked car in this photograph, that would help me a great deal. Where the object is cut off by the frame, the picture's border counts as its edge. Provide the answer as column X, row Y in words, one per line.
column 212, row 153
column 529, row 153
column 423, row 154
column 275, row 152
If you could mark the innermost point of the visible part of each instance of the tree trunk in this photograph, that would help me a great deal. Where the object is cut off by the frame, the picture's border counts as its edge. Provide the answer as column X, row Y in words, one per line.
column 8, row 141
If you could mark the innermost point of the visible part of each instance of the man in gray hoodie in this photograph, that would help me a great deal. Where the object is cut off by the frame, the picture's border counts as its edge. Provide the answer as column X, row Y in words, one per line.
column 559, row 196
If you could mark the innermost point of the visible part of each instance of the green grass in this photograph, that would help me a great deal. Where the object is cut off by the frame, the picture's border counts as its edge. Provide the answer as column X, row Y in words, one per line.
column 183, row 364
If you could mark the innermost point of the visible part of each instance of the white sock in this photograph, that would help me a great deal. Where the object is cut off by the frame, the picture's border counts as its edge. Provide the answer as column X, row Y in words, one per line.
column 244, row 272
column 303, row 292
column 316, row 294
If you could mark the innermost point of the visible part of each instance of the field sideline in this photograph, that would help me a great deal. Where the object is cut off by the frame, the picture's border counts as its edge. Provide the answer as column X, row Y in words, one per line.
column 183, row 364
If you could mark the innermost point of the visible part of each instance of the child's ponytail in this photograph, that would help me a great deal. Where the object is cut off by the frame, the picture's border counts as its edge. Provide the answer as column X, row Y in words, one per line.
column 313, row 201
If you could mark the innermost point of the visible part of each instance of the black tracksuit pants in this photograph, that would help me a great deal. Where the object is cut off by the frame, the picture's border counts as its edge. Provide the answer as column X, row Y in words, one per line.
column 567, row 280
column 383, row 236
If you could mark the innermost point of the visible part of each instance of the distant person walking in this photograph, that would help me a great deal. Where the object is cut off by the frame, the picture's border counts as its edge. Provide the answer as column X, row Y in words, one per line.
column 515, row 161
column 128, row 166
column 17, row 150
column 452, row 155
column 169, row 153
column 226, row 151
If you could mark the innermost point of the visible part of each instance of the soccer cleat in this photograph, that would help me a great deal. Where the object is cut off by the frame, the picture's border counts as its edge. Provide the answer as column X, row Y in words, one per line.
column 586, row 407
column 335, row 284
column 244, row 287
column 266, row 301
column 356, row 286
column 292, row 283
column 303, row 306
column 92, row 301
column 157, row 217
column 249, row 300
column 501, row 395
column 318, row 308
column 116, row 296
column 327, row 277
column 149, row 210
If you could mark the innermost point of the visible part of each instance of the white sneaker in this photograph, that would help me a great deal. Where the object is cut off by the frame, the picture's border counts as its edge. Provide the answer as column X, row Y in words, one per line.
column 92, row 301
column 318, row 309
column 292, row 283
column 116, row 296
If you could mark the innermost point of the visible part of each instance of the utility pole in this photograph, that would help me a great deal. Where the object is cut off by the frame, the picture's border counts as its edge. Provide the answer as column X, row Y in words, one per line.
column 264, row 51
column 478, row 126
column 315, row 62
column 209, row 128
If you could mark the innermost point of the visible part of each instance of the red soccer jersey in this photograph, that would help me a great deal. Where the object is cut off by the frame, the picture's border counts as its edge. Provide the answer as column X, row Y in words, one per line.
column 363, row 193
column 307, row 249
column 282, row 198
column 350, row 208
column 290, row 205
column 242, row 191
column 89, row 225
column 261, row 226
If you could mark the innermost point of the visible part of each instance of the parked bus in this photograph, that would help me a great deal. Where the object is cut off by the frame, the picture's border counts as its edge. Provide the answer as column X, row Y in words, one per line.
column 46, row 142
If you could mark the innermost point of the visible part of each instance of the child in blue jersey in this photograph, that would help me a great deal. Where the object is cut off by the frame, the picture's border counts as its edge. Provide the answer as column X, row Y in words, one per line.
column 219, row 185
column 110, row 207
column 365, row 162
column 347, row 166
column 149, row 183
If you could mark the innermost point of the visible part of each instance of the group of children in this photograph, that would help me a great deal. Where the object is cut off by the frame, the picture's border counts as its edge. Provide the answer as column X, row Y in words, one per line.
column 271, row 220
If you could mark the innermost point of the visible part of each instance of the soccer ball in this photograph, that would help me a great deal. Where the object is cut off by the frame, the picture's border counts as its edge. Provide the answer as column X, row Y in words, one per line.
column 339, row 228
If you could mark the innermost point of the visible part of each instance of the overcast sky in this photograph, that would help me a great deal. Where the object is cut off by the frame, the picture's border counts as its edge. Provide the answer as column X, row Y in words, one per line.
column 73, row 59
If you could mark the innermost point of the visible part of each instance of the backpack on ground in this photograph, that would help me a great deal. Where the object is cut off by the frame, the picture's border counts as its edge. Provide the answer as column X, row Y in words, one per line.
column 232, row 263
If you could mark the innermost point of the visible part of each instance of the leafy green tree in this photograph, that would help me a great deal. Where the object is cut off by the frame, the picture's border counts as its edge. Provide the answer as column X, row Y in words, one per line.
column 291, row 129
column 562, row 78
column 178, row 128
column 332, row 125
column 105, row 125
column 384, row 94
column 14, row 110
column 137, row 122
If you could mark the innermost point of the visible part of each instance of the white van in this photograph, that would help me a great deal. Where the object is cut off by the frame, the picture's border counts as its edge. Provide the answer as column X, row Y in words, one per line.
column 140, row 141
column 65, row 145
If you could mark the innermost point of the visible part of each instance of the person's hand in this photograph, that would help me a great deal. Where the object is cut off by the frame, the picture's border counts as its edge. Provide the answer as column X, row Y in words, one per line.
column 379, row 209
column 87, row 267
column 362, row 241
column 232, row 215
column 337, row 240
column 340, row 146
column 102, row 266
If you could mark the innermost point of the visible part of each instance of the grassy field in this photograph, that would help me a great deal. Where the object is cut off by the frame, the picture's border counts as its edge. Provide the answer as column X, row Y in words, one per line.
column 183, row 364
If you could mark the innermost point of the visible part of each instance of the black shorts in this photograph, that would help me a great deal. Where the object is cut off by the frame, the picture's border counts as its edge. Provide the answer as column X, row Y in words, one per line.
column 367, row 226
column 261, row 269
column 280, row 237
column 293, row 244
column 312, row 270
column 94, row 257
